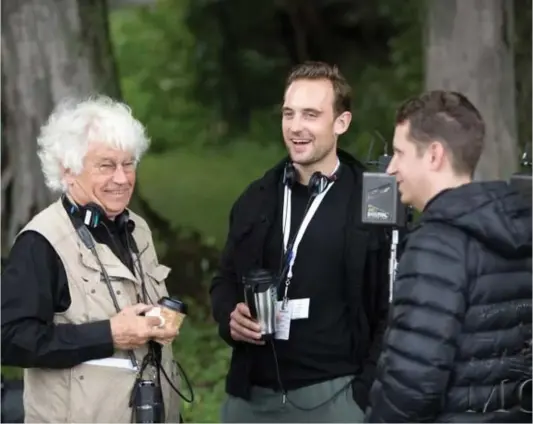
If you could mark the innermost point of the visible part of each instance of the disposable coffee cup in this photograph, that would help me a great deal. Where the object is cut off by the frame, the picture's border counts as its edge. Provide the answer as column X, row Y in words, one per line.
column 172, row 312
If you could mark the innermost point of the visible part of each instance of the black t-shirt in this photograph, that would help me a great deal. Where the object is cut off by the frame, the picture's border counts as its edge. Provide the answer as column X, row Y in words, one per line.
column 319, row 347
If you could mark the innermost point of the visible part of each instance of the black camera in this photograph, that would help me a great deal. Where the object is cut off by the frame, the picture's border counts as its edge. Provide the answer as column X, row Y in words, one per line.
column 381, row 204
column 148, row 402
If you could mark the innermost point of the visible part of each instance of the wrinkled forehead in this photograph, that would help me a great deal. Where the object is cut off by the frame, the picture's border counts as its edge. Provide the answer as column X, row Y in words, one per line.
column 103, row 152
column 309, row 94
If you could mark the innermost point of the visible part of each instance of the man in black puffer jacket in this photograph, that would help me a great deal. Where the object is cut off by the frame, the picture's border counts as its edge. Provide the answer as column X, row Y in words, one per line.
column 458, row 345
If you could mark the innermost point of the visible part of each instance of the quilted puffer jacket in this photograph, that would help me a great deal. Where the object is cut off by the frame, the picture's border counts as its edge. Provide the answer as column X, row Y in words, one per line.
column 458, row 344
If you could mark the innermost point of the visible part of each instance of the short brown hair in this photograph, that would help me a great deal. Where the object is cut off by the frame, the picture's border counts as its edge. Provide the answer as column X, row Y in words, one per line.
column 320, row 70
column 449, row 117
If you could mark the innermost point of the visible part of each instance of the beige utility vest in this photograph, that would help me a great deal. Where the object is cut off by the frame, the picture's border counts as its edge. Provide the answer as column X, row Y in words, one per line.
column 96, row 391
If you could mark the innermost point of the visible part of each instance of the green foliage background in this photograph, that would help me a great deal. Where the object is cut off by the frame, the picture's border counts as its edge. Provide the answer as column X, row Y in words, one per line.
column 215, row 124
column 206, row 77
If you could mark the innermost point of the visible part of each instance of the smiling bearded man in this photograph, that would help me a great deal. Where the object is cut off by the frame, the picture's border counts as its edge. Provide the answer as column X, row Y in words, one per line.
column 335, row 283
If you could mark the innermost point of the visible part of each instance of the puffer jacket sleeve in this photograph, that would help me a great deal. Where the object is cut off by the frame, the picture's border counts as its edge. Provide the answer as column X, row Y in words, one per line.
column 427, row 313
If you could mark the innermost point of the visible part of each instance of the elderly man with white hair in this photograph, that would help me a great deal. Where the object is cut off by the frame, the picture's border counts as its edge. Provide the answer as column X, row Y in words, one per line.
column 82, row 274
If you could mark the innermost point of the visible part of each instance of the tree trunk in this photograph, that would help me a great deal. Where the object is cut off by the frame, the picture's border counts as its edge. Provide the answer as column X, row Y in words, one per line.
column 469, row 49
column 51, row 49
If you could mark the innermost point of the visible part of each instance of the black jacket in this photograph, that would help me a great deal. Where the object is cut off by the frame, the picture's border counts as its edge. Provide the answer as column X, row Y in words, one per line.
column 458, row 347
column 366, row 265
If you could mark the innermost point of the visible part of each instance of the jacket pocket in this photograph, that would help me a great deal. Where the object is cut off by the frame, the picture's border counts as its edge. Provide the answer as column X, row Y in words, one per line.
column 100, row 394
column 157, row 275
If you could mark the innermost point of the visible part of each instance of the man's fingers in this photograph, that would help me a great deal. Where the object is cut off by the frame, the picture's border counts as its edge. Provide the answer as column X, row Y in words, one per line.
column 239, row 337
column 140, row 308
column 245, row 322
column 242, row 326
column 244, row 332
column 244, row 310
column 163, row 333
column 153, row 321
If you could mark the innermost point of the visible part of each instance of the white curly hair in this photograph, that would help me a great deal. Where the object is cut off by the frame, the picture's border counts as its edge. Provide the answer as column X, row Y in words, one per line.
column 65, row 137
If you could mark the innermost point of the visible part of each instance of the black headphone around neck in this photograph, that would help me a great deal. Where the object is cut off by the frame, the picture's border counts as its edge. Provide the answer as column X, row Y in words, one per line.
column 91, row 215
column 317, row 183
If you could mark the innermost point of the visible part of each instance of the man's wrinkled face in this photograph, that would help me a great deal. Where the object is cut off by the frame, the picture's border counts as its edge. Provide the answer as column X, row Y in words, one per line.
column 410, row 167
column 107, row 178
column 310, row 128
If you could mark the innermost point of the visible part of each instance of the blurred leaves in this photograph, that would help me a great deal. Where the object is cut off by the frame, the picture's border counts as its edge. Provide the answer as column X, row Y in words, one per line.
column 207, row 78
column 206, row 71
column 247, row 48
column 154, row 54
column 210, row 71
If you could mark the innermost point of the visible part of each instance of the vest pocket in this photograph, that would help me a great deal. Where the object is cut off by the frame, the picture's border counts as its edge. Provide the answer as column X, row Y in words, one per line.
column 100, row 394
column 158, row 272
column 98, row 303
column 156, row 279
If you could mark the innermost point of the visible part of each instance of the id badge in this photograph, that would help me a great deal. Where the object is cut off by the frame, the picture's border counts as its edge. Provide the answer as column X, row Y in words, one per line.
column 283, row 322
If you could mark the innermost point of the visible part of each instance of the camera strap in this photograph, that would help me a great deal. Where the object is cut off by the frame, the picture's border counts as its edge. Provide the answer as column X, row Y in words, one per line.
column 291, row 249
column 87, row 239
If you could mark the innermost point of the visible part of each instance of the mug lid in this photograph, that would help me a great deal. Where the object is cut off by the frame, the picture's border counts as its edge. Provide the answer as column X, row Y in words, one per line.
column 258, row 276
column 174, row 304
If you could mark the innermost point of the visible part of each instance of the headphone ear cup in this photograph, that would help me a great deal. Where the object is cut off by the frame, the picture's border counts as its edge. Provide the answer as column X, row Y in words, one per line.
column 317, row 183
column 93, row 215
column 289, row 175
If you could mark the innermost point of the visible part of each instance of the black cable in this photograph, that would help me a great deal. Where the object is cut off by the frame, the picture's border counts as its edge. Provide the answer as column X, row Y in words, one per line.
column 86, row 237
column 159, row 365
column 286, row 395
column 191, row 391
column 284, row 264
column 137, row 261
column 88, row 241
column 155, row 353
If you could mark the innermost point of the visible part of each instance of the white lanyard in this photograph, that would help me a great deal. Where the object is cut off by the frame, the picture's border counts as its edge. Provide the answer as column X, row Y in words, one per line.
column 305, row 222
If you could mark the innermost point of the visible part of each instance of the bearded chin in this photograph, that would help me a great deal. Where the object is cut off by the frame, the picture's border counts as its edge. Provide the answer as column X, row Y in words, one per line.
column 316, row 157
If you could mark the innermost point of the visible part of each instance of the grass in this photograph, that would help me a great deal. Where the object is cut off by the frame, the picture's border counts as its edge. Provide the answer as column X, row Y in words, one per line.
column 196, row 188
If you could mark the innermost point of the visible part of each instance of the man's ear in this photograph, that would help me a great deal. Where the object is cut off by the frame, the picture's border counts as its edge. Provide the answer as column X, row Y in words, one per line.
column 68, row 175
column 437, row 155
column 342, row 123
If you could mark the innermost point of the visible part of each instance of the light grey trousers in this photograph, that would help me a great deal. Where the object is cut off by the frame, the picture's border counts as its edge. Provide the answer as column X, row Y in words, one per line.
column 326, row 402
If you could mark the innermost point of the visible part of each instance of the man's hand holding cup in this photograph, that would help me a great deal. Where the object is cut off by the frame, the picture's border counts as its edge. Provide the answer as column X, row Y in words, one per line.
column 171, row 313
